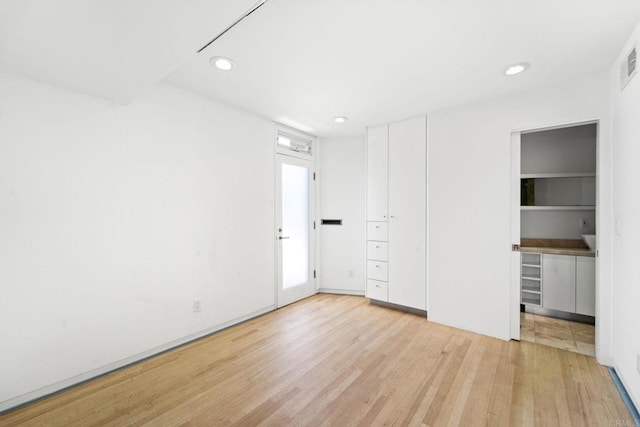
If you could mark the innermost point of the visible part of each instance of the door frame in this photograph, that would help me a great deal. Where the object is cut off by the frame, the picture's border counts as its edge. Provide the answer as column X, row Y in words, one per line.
column 287, row 131
column 514, row 207
column 514, row 296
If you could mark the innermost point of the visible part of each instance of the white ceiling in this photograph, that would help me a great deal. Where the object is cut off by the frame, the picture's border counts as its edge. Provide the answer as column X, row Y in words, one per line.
column 115, row 49
column 302, row 62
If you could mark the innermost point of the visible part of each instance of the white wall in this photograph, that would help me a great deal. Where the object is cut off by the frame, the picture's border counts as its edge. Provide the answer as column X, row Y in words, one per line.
column 569, row 150
column 469, row 201
column 626, row 301
column 342, row 196
column 557, row 224
column 113, row 218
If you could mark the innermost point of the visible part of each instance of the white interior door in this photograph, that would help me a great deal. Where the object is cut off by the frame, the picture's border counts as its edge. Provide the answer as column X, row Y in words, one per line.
column 295, row 231
column 514, row 327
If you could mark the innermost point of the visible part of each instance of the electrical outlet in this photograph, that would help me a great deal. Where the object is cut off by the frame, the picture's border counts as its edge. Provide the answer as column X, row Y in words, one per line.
column 583, row 222
column 618, row 226
column 197, row 305
column 351, row 274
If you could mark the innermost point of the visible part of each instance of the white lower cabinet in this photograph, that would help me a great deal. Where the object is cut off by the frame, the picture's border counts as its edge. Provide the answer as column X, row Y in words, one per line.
column 567, row 283
column 586, row 285
column 559, row 281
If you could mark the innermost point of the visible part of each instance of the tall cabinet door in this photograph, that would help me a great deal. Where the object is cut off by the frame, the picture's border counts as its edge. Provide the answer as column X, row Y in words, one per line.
column 407, row 213
column 559, row 282
column 377, row 173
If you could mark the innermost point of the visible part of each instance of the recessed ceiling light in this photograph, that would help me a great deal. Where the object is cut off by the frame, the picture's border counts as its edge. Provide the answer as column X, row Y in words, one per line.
column 222, row 63
column 340, row 119
column 517, row 68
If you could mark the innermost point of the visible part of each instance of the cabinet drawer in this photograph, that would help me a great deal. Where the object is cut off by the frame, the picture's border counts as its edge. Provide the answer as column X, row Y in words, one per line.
column 377, row 251
column 378, row 231
column 377, row 270
column 377, row 290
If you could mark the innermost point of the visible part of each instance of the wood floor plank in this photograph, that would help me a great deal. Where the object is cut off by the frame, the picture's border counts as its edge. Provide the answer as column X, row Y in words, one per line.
column 337, row 360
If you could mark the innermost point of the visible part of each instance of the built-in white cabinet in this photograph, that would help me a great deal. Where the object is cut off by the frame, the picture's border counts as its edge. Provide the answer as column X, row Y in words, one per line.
column 396, row 213
column 558, row 282
column 586, row 285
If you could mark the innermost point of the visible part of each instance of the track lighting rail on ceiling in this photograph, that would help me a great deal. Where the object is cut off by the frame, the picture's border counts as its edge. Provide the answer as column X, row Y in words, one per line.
column 236, row 22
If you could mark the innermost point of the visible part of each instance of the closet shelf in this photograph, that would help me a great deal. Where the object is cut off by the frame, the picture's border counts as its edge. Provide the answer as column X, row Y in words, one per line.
column 558, row 175
column 558, row 208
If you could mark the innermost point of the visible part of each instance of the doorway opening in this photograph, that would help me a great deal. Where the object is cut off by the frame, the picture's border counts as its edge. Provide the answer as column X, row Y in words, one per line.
column 554, row 207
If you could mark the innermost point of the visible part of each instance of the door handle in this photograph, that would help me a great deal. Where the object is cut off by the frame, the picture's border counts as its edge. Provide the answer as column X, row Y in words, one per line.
column 282, row 238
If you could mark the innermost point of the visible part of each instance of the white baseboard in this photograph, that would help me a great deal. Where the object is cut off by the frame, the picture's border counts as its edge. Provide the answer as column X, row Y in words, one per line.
column 94, row 373
column 340, row 291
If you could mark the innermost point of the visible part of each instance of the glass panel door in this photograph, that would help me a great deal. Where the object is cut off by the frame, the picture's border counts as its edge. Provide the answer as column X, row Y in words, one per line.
column 294, row 233
column 294, row 229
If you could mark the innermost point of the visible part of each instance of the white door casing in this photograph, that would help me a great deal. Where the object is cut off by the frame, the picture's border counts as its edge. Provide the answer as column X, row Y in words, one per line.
column 514, row 295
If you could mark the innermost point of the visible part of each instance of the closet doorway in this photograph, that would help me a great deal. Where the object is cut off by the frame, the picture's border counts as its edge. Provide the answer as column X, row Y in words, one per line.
column 553, row 229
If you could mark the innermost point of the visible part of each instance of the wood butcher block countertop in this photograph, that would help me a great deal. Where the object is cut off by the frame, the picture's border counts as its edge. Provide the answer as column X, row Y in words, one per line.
column 556, row 246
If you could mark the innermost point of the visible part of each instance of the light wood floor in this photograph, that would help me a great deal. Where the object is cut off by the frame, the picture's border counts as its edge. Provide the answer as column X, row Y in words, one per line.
column 558, row 333
column 336, row 360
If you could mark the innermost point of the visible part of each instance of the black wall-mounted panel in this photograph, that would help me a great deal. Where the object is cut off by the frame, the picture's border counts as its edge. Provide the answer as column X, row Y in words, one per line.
column 331, row 222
